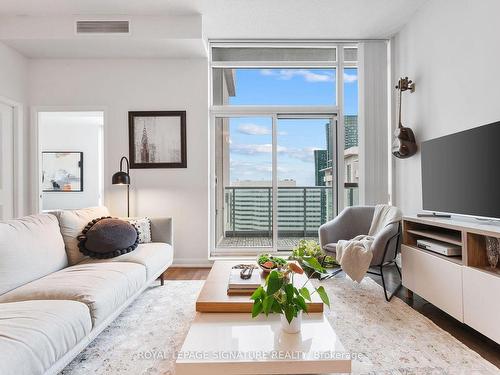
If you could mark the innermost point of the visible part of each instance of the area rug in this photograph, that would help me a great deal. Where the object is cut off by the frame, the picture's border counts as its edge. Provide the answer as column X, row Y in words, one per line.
column 389, row 338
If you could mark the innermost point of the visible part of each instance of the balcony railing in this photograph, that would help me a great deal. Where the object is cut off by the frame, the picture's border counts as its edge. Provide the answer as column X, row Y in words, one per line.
column 301, row 210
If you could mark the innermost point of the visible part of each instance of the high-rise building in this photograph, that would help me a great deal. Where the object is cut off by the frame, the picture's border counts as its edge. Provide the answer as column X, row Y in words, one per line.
column 350, row 131
column 320, row 164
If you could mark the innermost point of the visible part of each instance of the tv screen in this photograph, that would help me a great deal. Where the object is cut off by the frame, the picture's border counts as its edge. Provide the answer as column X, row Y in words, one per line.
column 461, row 172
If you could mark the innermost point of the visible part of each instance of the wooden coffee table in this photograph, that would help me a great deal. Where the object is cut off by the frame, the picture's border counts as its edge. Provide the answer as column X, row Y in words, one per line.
column 213, row 297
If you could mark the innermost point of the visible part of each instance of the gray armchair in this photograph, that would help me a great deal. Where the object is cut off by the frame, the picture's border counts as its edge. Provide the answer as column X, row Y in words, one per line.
column 354, row 221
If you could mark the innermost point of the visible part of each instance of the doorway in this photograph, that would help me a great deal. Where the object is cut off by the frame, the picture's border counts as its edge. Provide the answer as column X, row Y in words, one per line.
column 70, row 159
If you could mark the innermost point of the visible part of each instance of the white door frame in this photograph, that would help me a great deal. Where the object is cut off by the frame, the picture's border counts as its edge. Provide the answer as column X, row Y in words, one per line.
column 19, row 178
column 36, row 195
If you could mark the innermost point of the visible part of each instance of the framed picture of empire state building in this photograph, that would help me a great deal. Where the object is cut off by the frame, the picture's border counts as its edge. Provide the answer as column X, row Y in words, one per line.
column 157, row 139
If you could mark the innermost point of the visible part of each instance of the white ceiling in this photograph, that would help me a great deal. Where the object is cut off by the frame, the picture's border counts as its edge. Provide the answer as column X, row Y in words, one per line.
column 231, row 19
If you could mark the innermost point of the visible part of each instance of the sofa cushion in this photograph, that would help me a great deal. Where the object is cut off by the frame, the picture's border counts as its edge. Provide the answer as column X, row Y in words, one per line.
column 36, row 334
column 155, row 256
column 143, row 225
column 103, row 287
column 107, row 238
column 30, row 248
column 72, row 223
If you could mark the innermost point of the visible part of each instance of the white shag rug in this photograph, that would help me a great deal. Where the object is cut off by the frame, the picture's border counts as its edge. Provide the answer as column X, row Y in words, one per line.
column 393, row 339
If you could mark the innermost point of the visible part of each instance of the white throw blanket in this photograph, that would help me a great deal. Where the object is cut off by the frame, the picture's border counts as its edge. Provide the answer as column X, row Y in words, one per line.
column 355, row 256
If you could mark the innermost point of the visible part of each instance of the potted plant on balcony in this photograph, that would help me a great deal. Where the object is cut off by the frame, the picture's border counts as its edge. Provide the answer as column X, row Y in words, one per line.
column 280, row 295
column 311, row 248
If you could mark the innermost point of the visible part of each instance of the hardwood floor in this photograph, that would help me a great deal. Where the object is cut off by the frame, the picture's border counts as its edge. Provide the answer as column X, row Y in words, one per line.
column 487, row 348
column 181, row 273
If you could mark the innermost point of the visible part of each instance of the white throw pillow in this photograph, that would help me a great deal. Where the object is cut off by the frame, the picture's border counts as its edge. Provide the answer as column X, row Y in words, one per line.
column 143, row 225
column 71, row 223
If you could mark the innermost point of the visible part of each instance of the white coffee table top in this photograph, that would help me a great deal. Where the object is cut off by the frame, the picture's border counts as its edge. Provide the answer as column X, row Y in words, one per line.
column 237, row 344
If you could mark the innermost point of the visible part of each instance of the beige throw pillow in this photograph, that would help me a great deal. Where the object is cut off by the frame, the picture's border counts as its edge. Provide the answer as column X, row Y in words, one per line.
column 143, row 225
column 72, row 222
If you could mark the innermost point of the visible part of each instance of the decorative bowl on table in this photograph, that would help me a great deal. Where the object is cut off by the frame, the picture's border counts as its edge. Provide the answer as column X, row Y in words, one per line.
column 268, row 262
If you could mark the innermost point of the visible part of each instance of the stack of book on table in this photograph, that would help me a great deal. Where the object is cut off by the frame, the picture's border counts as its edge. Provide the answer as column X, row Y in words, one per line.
column 239, row 286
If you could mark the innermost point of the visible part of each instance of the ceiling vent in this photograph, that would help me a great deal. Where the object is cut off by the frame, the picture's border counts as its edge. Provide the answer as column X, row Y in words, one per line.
column 102, row 27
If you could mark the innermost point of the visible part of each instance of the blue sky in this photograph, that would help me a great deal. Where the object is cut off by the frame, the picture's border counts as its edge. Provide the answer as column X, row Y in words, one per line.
column 250, row 149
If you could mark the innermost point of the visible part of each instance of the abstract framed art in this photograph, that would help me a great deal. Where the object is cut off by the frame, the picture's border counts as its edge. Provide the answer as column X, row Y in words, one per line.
column 62, row 171
column 157, row 139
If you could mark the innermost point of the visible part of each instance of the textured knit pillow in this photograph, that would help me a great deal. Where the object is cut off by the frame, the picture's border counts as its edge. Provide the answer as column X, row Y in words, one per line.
column 143, row 225
column 108, row 238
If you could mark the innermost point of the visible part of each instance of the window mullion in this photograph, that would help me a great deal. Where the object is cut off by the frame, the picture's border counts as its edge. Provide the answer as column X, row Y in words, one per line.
column 275, row 181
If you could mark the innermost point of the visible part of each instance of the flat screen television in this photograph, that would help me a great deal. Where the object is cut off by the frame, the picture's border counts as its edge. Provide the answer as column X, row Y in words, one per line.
column 461, row 172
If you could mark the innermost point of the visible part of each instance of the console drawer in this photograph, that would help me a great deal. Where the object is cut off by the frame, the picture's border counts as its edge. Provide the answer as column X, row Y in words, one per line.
column 435, row 279
column 482, row 302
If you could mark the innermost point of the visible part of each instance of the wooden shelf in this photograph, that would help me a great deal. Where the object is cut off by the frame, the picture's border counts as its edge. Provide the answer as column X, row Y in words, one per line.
column 489, row 270
column 445, row 237
column 456, row 260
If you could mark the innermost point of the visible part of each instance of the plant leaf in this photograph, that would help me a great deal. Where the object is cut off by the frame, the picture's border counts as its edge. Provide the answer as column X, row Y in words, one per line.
column 324, row 297
column 256, row 309
column 258, row 294
column 274, row 283
column 289, row 292
column 276, row 307
column 289, row 313
column 304, row 292
column 312, row 263
column 301, row 302
column 267, row 304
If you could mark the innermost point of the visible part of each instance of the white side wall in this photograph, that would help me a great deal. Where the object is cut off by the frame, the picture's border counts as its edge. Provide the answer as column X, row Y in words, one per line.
column 13, row 74
column 451, row 50
column 13, row 86
column 126, row 85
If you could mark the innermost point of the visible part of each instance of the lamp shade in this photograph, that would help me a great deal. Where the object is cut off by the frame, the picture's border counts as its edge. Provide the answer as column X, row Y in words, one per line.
column 120, row 178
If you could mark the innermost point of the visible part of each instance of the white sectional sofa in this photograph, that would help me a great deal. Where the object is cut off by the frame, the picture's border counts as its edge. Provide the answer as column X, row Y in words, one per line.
column 53, row 300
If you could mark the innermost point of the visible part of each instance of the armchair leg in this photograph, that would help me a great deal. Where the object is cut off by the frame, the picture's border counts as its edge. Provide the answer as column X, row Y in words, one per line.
column 389, row 297
column 328, row 275
column 162, row 280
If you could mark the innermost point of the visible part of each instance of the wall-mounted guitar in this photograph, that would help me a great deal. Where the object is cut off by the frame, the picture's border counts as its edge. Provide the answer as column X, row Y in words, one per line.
column 404, row 144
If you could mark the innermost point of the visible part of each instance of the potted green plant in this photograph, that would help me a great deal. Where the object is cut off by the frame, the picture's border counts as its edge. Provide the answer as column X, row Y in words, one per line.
column 280, row 295
column 311, row 248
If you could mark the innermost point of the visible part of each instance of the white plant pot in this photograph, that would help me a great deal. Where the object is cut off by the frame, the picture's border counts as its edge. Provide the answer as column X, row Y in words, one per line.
column 294, row 326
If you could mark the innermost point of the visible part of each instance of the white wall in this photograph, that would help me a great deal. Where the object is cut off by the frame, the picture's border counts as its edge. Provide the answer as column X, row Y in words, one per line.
column 451, row 49
column 74, row 131
column 126, row 85
column 13, row 74
column 13, row 86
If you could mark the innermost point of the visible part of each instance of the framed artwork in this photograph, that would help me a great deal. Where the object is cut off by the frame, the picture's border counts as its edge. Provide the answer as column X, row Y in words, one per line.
column 157, row 139
column 62, row 171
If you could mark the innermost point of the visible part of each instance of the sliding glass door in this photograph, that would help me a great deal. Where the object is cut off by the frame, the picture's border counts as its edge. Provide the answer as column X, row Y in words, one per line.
column 244, row 175
column 305, row 176
column 275, row 179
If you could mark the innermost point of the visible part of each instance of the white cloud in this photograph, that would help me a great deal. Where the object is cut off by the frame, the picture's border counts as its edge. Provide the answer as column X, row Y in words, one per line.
column 267, row 72
column 308, row 75
column 349, row 78
column 305, row 154
column 254, row 129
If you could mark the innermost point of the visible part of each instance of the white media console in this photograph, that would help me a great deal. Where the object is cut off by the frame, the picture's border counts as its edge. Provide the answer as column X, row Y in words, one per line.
column 465, row 287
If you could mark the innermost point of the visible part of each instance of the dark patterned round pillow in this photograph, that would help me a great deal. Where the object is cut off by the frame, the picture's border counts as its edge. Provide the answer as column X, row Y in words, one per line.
column 107, row 237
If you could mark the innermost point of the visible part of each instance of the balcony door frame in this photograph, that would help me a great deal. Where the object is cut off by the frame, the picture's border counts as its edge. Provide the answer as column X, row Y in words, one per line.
column 226, row 111
column 275, row 113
